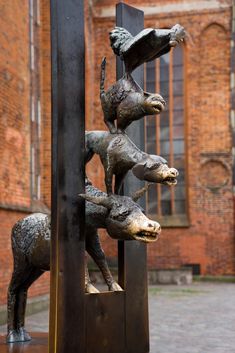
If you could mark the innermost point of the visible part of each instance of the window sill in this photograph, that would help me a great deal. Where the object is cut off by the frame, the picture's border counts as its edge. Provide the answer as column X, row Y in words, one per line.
column 36, row 206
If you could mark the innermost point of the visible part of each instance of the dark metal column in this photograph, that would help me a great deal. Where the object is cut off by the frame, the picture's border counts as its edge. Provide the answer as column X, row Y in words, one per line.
column 67, row 316
column 132, row 254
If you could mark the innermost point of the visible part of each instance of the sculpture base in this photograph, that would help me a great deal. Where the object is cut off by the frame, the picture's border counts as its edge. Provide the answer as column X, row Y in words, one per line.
column 38, row 344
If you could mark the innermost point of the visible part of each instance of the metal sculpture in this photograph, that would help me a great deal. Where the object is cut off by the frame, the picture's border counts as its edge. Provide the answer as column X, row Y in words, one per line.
column 126, row 102
column 147, row 45
column 121, row 216
column 119, row 154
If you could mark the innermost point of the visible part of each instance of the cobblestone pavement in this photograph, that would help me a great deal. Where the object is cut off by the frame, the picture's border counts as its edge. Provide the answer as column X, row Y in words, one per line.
column 192, row 319
column 183, row 319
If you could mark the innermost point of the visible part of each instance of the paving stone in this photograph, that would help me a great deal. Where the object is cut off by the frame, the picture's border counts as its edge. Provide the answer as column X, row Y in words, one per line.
column 199, row 318
column 192, row 319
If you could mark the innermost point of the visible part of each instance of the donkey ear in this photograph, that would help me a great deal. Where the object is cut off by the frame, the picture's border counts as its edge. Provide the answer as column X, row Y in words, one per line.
column 98, row 200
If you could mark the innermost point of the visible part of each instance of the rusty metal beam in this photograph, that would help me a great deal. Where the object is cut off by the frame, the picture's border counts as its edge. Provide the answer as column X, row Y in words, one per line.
column 132, row 254
column 67, row 311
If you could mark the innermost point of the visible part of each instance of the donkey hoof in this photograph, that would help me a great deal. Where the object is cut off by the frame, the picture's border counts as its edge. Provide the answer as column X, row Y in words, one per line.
column 24, row 335
column 13, row 336
column 114, row 287
column 20, row 335
column 91, row 289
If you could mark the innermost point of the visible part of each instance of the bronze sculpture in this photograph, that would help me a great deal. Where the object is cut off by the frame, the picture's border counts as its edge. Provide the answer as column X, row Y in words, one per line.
column 147, row 45
column 120, row 215
column 119, row 154
column 125, row 101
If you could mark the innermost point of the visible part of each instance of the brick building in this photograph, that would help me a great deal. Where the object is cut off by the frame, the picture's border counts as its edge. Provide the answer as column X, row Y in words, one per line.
column 194, row 133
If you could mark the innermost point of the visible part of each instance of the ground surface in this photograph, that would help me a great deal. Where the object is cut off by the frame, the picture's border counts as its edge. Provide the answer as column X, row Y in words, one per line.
column 183, row 319
column 193, row 319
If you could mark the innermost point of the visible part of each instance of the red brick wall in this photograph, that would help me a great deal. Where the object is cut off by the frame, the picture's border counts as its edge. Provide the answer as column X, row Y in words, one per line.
column 14, row 127
column 15, row 135
column 209, row 240
column 14, row 105
column 7, row 219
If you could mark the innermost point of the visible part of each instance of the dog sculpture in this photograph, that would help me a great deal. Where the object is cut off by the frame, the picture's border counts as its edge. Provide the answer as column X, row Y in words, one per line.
column 119, row 154
column 120, row 215
column 125, row 102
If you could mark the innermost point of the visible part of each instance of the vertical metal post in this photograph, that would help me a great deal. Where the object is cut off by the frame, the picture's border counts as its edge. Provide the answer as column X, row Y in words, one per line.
column 118, row 321
column 67, row 310
column 132, row 254
column 132, row 19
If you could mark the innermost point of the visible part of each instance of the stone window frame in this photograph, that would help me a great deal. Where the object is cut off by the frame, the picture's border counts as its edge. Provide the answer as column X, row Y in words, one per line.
column 165, row 136
column 35, row 99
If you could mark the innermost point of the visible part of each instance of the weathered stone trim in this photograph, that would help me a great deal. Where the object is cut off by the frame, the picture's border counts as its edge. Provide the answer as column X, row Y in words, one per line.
column 207, row 6
column 33, row 208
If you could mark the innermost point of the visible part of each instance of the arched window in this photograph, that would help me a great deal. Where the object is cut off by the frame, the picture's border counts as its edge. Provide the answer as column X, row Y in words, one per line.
column 164, row 135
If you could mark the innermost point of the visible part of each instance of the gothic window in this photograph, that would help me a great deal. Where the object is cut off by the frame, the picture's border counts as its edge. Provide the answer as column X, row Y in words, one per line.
column 164, row 135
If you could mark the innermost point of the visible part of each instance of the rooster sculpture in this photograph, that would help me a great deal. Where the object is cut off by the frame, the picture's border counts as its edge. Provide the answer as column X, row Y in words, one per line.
column 147, row 45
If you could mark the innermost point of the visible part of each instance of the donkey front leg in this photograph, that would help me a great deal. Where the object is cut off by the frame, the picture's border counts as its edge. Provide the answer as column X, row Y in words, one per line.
column 33, row 275
column 108, row 178
column 89, row 288
column 118, row 182
column 94, row 249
